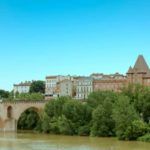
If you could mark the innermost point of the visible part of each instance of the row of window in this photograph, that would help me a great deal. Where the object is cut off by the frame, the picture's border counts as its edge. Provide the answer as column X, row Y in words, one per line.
column 82, row 96
column 51, row 81
column 85, row 83
column 84, row 89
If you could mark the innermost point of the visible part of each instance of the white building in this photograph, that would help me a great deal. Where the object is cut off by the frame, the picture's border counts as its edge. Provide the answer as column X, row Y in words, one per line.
column 52, row 85
column 66, row 88
column 22, row 87
column 84, row 86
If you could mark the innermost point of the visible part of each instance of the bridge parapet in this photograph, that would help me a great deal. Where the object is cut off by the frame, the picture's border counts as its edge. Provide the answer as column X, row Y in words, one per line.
column 20, row 101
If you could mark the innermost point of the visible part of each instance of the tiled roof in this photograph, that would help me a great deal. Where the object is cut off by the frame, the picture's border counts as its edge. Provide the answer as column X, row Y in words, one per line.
column 23, row 84
column 51, row 77
column 141, row 65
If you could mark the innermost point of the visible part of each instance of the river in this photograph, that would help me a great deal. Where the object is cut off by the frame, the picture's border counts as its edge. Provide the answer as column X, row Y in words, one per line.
column 32, row 141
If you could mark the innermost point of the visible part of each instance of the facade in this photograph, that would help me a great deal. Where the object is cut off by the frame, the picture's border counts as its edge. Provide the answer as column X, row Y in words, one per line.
column 140, row 73
column 66, row 88
column 101, row 76
column 22, row 87
column 112, row 82
column 109, row 85
column 84, row 86
column 52, row 85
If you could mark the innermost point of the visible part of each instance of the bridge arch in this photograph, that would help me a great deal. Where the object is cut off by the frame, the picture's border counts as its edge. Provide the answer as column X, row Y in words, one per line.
column 28, row 119
column 11, row 111
column 21, row 111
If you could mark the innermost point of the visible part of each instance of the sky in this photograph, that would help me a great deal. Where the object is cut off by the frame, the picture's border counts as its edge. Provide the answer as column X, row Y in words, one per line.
column 77, row 37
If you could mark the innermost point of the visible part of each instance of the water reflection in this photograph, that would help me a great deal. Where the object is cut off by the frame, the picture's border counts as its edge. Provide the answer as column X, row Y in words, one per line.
column 26, row 141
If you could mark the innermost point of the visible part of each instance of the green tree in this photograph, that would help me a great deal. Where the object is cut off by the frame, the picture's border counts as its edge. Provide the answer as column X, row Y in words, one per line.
column 4, row 94
column 98, row 97
column 79, row 114
column 44, row 123
column 37, row 87
column 53, row 112
column 28, row 120
column 29, row 97
column 140, row 97
column 123, row 114
column 65, row 126
column 136, row 129
column 54, row 107
column 102, row 121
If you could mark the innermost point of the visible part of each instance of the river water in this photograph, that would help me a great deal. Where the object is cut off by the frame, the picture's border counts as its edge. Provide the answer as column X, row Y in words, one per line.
column 32, row 141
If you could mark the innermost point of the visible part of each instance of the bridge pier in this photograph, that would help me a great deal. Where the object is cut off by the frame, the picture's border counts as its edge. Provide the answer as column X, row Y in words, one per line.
column 9, row 125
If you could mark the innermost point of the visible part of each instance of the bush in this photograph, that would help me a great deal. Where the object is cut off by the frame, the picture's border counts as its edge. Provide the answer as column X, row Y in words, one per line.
column 102, row 121
column 65, row 126
column 28, row 120
column 29, row 97
column 79, row 114
column 123, row 114
column 136, row 129
column 84, row 130
column 145, row 138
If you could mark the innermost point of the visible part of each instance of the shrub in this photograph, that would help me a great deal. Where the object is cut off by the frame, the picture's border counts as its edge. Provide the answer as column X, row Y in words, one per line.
column 123, row 114
column 102, row 121
column 145, row 138
column 136, row 129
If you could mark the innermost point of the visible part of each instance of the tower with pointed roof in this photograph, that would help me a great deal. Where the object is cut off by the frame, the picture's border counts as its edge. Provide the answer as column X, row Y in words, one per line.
column 140, row 73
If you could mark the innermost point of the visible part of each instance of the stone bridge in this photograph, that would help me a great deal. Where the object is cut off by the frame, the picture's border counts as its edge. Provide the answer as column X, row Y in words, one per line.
column 11, row 111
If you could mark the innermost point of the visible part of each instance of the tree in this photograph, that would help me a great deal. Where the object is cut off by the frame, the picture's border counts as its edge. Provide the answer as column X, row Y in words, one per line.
column 29, row 97
column 37, row 87
column 123, row 114
column 65, row 126
column 4, row 94
column 102, row 121
column 54, row 107
column 67, row 116
column 79, row 114
column 140, row 97
column 53, row 114
column 28, row 120
column 136, row 129
column 98, row 97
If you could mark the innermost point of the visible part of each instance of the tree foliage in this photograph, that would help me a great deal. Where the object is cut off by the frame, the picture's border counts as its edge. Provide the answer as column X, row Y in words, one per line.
column 28, row 120
column 140, row 97
column 137, row 129
column 4, row 94
column 102, row 121
column 37, row 87
column 29, row 97
column 123, row 114
column 104, row 113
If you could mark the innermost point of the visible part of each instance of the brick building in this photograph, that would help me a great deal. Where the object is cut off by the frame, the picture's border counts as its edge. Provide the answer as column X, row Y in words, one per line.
column 140, row 73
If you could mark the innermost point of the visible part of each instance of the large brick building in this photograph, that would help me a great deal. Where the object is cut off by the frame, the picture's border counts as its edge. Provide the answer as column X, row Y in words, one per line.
column 139, row 74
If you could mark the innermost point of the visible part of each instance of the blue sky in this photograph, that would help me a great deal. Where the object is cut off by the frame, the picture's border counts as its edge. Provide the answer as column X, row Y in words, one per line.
column 50, row 37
